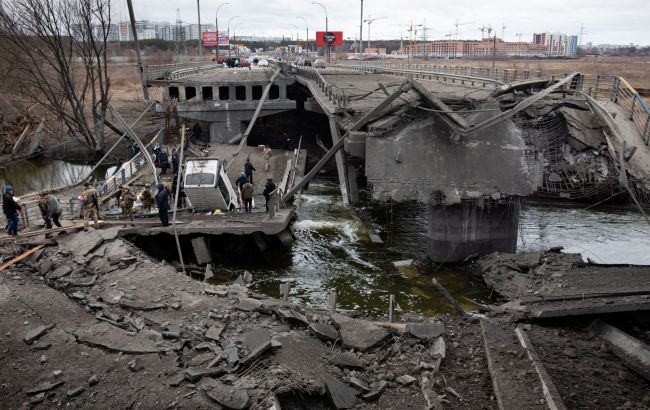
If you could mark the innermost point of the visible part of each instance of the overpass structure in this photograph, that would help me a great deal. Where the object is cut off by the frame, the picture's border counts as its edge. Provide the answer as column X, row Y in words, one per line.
column 468, row 142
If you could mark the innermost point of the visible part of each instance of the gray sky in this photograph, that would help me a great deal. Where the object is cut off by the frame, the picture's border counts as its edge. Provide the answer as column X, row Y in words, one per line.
column 605, row 21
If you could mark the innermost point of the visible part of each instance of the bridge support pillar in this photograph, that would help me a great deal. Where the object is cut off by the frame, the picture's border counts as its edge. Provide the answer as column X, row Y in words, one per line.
column 461, row 230
column 222, row 132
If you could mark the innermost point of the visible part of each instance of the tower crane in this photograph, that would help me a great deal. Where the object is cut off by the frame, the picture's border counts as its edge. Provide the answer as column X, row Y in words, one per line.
column 483, row 29
column 458, row 24
column 503, row 30
column 369, row 21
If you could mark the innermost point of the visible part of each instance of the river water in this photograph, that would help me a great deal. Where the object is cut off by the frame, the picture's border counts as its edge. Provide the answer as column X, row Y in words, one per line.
column 332, row 251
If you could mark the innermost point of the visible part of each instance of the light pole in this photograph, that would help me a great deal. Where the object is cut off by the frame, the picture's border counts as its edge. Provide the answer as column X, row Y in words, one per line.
column 234, row 34
column 216, row 24
column 326, row 28
column 198, row 10
column 360, row 46
column 297, row 36
column 229, row 20
column 307, row 38
column 369, row 21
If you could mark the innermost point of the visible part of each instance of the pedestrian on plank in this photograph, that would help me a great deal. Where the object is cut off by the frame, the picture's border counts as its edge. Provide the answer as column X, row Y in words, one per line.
column 267, row 154
column 248, row 170
column 247, row 196
column 50, row 208
column 147, row 200
column 126, row 203
column 162, row 202
column 10, row 207
column 268, row 188
column 90, row 200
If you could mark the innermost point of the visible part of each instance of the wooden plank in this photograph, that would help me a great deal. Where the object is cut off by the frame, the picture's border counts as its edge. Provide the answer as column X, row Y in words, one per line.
column 513, row 375
column 552, row 396
column 21, row 257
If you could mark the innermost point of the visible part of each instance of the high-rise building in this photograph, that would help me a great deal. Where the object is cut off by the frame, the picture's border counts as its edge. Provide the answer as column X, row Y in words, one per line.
column 557, row 44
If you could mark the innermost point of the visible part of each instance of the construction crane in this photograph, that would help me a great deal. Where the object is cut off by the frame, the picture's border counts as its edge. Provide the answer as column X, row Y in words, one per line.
column 483, row 29
column 519, row 36
column 458, row 24
column 503, row 30
column 369, row 21
column 413, row 33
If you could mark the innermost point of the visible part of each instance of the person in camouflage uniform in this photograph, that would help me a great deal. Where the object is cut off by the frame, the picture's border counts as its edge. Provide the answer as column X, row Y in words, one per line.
column 126, row 203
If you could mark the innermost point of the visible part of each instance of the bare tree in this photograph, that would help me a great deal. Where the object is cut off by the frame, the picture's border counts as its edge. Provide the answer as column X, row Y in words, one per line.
column 58, row 48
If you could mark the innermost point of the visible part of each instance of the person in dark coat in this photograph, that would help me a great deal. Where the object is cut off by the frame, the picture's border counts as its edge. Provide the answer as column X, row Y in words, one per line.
column 268, row 188
column 248, row 169
column 162, row 202
column 10, row 208
column 175, row 161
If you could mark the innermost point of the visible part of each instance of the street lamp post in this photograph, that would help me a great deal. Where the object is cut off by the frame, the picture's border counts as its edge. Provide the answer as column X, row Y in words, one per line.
column 360, row 45
column 326, row 28
column 234, row 35
column 198, row 9
column 229, row 20
column 307, row 33
column 297, row 35
column 216, row 24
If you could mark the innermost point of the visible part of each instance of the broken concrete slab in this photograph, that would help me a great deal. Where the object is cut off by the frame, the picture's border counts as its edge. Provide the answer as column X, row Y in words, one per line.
column 324, row 332
column 374, row 395
column 248, row 304
column 75, row 392
column 341, row 395
column 44, row 387
column 360, row 334
column 214, row 332
column 346, row 361
column 36, row 333
column 82, row 243
column 45, row 266
column 145, row 307
column 115, row 339
column 426, row 331
column 59, row 272
column 632, row 351
column 257, row 342
column 438, row 348
column 359, row 384
column 194, row 374
column 406, row 380
column 229, row 397
column 292, row 315
column 109, row 234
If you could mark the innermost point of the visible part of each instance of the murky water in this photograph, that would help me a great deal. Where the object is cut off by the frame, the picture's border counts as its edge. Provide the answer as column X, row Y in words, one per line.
column 35, row 175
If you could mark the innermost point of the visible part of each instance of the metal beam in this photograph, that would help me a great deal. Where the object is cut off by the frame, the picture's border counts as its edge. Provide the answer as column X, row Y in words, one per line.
column 437, row 103
column 405, row 87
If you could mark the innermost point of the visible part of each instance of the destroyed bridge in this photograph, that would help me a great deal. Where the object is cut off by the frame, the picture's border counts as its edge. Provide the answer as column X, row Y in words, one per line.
column 468, row 142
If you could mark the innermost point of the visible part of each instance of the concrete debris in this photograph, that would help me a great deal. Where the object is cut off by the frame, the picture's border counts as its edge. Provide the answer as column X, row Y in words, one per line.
column 59, row 272
column 115, row 339
column 57, row 373
column 42, row 359
column 438, row 348
column 202, row 359
column 376, row 392
column 36, row 333
column 44, row 387
column 257, row 343
column 346, row 361
column 426, row 331
column 93, row 380
column 141, row 306
column 341, row 396
column 232, row 354
column 248, row 304
column 194, row 374
column 45, row 266
column 359, row 384
column 324, row 332
column 454, row 393
column 135, row 365
column 405, row 380
column 41, row 345
column 214, row 332
column 75, row 392
column 226, row 396
column 360, row 334
column 82, row 243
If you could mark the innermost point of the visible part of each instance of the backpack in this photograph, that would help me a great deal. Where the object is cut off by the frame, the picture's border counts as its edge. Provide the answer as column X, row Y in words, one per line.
column 89, row 199
column 247, row 191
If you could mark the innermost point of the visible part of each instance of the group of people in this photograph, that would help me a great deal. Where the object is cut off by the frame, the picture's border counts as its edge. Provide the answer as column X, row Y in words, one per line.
column 48, row 204
column 246, row 187
column 161, row 159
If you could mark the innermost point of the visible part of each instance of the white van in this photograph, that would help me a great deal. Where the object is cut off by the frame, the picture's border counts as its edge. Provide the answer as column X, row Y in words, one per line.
column 207, row 185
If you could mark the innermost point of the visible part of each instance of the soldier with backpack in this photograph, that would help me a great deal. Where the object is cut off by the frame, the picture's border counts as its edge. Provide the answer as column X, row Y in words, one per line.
column 126, row 203
column 90, row 200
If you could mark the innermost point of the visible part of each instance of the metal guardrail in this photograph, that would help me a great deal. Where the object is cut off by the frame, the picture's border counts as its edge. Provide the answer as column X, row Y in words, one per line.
column 128, row 169
column 332, row 92
column 275, row 201
column 600, row 87
column 167, row 71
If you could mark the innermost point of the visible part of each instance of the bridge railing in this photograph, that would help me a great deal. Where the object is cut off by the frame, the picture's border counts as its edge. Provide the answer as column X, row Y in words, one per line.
column 165, row 71
column 601, row 87
column 128, row 169
column 332, row 92
column 275, row 201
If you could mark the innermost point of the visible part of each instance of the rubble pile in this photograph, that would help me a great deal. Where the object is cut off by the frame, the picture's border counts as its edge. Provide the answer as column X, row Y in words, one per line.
column 111, row 316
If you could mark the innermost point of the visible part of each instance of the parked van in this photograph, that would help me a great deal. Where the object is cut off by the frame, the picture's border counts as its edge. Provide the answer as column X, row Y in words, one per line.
column 207, row 185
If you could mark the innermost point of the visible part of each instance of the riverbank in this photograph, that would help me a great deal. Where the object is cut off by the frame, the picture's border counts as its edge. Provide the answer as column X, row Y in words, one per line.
column 94, row 322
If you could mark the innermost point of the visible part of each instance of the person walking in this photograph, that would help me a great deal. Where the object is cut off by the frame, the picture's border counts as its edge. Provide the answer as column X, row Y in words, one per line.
column 162, row 202
column 90, row 200
column 268, row 188
column 247, row 197
column 10, row 207
column 175, row 161
column 248, row 170
column 147, row 200
column 267, row 154
column 50, row 208
column 126, row 203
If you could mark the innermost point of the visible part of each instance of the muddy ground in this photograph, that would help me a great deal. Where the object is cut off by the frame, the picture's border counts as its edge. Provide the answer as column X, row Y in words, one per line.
column 96, row 323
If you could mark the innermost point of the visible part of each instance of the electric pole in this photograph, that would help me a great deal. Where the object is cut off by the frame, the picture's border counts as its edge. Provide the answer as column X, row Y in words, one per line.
column 138, row 54
column 198, row 9
column 360, row 45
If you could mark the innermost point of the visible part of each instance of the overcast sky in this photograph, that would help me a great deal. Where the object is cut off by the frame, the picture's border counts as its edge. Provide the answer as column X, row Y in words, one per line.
column 605, row 21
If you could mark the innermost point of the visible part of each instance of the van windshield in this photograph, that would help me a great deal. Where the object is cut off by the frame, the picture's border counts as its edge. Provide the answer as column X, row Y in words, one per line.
column 199, row 179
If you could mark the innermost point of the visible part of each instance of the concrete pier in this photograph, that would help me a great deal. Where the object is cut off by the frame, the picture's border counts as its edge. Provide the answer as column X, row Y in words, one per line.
column 460, row 230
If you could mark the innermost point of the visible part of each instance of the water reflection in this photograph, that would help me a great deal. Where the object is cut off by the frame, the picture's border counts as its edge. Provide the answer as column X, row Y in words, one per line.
column 35, row 175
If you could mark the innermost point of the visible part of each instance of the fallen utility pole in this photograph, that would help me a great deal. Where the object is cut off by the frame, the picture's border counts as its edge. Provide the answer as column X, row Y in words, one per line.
column 134, row 31
column 178, row 186
column 404, row 87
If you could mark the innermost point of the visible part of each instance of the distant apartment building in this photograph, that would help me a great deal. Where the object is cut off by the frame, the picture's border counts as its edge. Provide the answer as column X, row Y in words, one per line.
column 375, row 51
column 472, row 48
column 192, row 30
column 557, row 44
